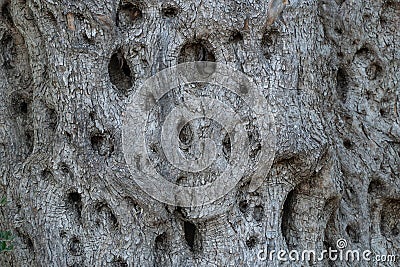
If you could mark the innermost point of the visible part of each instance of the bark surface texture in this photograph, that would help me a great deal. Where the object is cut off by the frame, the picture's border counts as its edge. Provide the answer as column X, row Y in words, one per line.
column 329, row 69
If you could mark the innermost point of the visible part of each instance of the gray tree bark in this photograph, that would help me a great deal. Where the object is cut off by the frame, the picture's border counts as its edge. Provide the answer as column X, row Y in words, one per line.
column 329, row 69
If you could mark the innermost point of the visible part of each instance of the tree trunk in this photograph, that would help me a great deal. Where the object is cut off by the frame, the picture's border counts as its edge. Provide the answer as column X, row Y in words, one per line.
column 328, row 70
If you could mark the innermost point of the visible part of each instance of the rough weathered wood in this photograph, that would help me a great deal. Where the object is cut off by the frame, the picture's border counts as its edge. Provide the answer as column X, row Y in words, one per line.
column 329, row 69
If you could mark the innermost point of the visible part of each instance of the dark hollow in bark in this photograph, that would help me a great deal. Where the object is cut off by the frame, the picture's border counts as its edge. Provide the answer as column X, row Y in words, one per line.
column 74, row 202
column 258, row 213
column 169, row 11
column 129, row 13
column 252, row 242
column 269, row 42
column 390, row 220
column 120, row 72
column 342, row 86
column 196, row 51
column 286, row 217
column 243, row 206
column 191, row 233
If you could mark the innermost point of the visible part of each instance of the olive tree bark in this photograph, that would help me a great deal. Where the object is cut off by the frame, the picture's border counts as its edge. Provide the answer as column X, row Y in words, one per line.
column 329, row 69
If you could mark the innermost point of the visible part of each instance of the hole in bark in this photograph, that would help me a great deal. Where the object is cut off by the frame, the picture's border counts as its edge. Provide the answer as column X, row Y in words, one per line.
column 236, row 37
column 390, row 218
column 190, row 234
column 63, row 234
column 8, row 51
column 252, row 242
column 348, row 144
column 338, row 30
column 47, row 175
column 288, row 160
column 68, row 136
column 106, row 216
column 25, row 238
column 87, row 39
column 18, row 205
column 29, row 140
column 286, row 216
column 258, row 213
column 162, row 250
column 243, row 206
column 128, row 14
column 154, row 148
column 74, row 201
column 243, row 88
column 365, row 55
column 179, row 212
column 353, row 232
column 119, row 72
column 182, row 180
column 195, row 52
column 16, row 61
column 384, row 112
column 392, row 4
column 119, row 262
column 342, row 84
column 75, row 247
column 64, row 168
column 102, row 144
column 22, row 104
column 92, row 116
column 395, row 231
column 340, row 2
column 50, row 18
column 186, row 134
column 269, row 42
column 376, row 187
column 23, row 107
column 363, row 51
column 373, row 71
column 161, row 242
column 6, row 12
column 170, row 11
column 366, row 17
column 29, row 243
column 226, row 146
